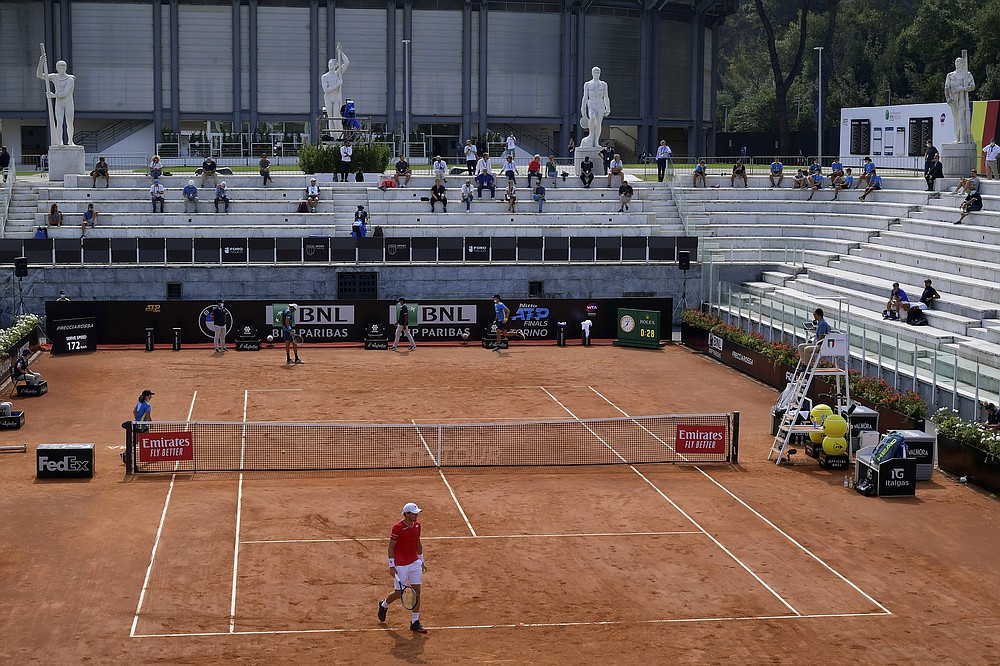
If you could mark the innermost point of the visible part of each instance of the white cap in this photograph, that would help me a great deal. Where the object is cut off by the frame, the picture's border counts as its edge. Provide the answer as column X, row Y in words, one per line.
column 293, row 306
column 410, row 507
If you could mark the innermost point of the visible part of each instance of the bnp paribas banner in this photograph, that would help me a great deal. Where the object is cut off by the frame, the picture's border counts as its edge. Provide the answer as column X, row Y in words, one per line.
column 126, row 322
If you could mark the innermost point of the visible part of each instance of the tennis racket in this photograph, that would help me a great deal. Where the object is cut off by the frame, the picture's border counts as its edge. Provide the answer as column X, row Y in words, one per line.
column 296, row 338
column 408, row 596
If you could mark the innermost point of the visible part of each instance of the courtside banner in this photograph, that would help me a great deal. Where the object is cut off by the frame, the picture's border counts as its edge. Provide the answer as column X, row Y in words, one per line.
column 701, row 439
column 160, row 446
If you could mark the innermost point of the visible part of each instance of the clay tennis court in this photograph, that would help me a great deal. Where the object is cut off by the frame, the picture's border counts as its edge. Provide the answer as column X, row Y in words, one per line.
column 708, row 563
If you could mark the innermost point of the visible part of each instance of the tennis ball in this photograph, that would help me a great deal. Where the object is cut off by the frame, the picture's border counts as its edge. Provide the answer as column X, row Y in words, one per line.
column 835, row 425
column 816, row 436
column 270, row 338
column 819, row 414
column 834, row 446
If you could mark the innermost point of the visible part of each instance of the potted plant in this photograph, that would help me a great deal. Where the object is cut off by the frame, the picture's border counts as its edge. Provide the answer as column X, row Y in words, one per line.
column 968, row 449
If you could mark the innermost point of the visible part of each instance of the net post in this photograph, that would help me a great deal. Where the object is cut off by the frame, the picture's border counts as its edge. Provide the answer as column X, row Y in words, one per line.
column 129, row 427
column 734, row 446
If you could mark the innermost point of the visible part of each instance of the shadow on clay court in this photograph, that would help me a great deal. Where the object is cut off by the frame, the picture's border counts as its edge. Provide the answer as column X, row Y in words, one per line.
column 407, row 646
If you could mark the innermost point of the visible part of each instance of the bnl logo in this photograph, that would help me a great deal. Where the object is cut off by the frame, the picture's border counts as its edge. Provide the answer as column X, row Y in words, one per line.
column 529, row 313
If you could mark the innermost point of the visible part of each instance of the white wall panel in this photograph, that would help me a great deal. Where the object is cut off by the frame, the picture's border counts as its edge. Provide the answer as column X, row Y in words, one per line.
column 113, row 57
column 523, row 65
column 675, row 70
column 437, row 63
column 21, row 31
column 362, row 34
column 283, row 60
column 612, row 43
column 206, row 59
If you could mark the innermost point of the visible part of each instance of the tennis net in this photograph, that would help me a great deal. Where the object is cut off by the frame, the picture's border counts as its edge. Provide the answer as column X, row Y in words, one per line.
column 195, row 446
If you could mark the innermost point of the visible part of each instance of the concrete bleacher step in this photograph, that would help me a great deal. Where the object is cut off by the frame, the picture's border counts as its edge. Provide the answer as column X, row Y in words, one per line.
column 946, row 247
column 871, row 223
column 881, row 210
column 776, row 278
column 970, row 268
column 985, row 291
column 750, row 230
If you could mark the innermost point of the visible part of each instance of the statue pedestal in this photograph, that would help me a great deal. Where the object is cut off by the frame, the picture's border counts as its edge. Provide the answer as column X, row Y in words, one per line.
column 595, row 156
column 66, row 159
column 958, row 159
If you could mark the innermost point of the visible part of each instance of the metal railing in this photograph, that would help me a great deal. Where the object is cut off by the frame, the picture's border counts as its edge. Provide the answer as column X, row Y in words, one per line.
column 9, row 178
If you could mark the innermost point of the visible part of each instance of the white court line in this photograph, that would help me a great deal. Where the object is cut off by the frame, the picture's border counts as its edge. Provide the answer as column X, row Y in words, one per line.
column 772, row 525
column 521, row 625
column 438, row 467
column 624, row 413
column 682, row 512
column 480, row 536
column 239, row 512
column 159, row 531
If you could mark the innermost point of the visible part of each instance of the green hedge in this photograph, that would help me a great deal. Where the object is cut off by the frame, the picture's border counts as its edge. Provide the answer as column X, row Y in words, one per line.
column 326, row 159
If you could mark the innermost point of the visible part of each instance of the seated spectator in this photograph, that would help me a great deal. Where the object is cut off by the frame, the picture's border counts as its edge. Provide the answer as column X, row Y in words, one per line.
column 484, row 165
column 777, row 172
column 486, row 179
column 538, row 194
column 550, row 169
column 535, row 169
column 467, row 194
column 815, row 167
column 815, row 183
column 101, row 170
column 440, row 169
column 156, row 192
column 438, row 194
column 222, row 194
column 700, row 171
column 898, row 300
column 867, row 170
column 929, row 294
column 359, row 228
column 836, row 169
column 992, row 416
column 510, row 169
column 934, row 172
column 625, row 193
column 616, row 168
column 190, row 197
column 874, row 183
column 89, row 219
column 510, row 196
column 22, row 372
column 265, row 170
column 312, row 195
column 402, row 171
column 55, row 216
column 739, row 171
column 844, row 182
column 587, row 171
column 209, row 170
column 972, row 204
column 155, row 168
column 968, row 184
column 800, row 180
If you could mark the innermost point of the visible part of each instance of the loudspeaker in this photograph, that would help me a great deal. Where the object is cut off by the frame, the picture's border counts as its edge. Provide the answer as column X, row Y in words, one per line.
column 684, row 260
column 20, row 267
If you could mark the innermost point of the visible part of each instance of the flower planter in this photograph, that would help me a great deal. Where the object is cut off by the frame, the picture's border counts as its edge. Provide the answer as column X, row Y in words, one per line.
column 978, row 466
column 694, row 337
column 30, row 339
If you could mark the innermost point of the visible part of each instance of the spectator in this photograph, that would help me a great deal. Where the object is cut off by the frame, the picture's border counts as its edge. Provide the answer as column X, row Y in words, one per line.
column 868, row 168
column 471, row 157
column 844, row 182
column 538, row 194
column 929, row 154
column 510, row 169
column 815, row 183
column 625, row 193
column 62, row 295
column 836, row 170
column 156, row 192
column 800, row 180
column 359, row 228
column 777, row 171
column 265, row 170
column 4, row 162
column 440, row 169
column 972, row 204
column 511, row 145
column 312, row 195
column 89, row 219
column 587, row 171
column 402, row 171
column 663, row 153
column 572, row 146
column 815, row 167
column 22, row 372
column 55, row 216
column 700, row 170
column 616, row 168
column 101, row 170
column 510, row 196
column 346, row 153
column 992, row 153
column 929, row 294
column 992, row 416
column 222, row 194
column 209, row 170
column 550, row 169
column 607, row 154
column 190, row 197
column 874, row 183
column 535, row 169
column 968, row 184
column 155, row 167
column 484, row 165
column 739, row 171
column 486, row 179
column 438, row 194
column 467, row 194
column 897, row 300
column 933, row 172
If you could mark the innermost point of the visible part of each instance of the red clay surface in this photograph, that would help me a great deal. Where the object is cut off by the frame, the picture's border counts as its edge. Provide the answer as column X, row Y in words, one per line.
column 663, row 564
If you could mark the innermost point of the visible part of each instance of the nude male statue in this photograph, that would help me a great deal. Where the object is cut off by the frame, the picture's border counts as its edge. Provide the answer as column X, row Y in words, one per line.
column 333, row 85
column 957, row 86
column 593, row 108
column 63, row 84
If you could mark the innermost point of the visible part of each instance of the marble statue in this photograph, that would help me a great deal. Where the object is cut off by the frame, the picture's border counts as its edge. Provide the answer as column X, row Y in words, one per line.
column 595, row 106
column 957, row 86
column 333, row 85
column 61, row 95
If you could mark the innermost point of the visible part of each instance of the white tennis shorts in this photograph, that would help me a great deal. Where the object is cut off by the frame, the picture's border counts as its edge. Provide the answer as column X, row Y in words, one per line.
column 409, row 574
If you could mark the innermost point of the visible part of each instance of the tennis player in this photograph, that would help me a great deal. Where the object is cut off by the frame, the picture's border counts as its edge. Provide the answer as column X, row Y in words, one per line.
column 403, row 325
column 502, row 322
column 406, row 563
column 287, row 332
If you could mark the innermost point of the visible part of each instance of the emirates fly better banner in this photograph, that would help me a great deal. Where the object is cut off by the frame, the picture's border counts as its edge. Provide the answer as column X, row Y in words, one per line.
column 165, row 446
column 701, row 439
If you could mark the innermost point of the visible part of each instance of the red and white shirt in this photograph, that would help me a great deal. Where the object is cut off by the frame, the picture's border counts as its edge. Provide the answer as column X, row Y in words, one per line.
column 406, row 537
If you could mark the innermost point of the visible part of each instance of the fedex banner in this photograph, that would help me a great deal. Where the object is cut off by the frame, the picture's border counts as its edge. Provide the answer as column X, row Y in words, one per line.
column 701, row 439
column 165, row 446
